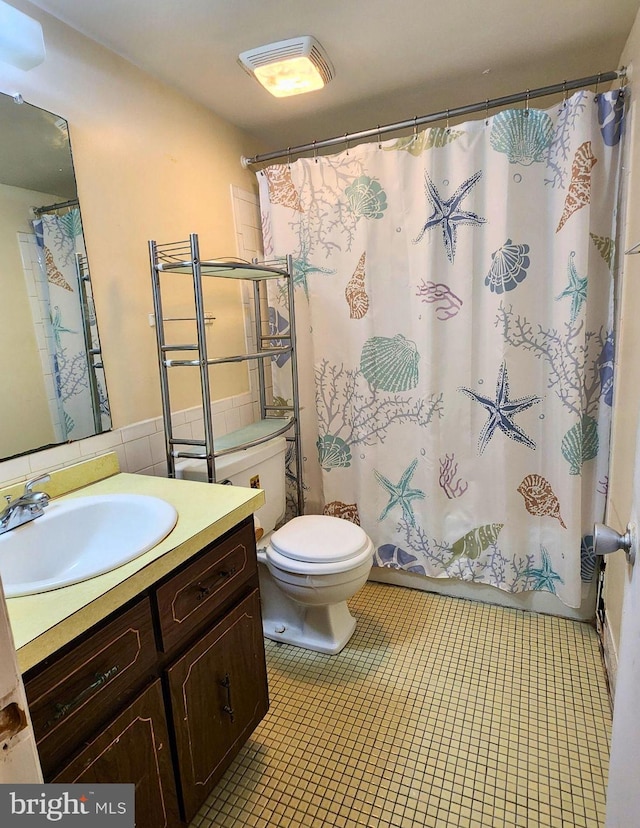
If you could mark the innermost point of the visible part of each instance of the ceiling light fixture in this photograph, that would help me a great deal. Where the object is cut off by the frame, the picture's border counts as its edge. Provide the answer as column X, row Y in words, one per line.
column 21, row 40
column 289, row 67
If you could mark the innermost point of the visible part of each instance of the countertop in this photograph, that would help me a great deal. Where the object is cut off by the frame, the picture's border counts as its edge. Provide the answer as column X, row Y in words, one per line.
column 45, row 622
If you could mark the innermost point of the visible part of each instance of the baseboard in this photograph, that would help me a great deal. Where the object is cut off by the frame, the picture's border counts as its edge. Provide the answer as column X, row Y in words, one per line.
column 610, row 655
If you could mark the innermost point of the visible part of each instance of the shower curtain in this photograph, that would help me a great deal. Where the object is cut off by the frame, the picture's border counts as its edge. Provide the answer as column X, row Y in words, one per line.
column 454, row 308
column 60, row 237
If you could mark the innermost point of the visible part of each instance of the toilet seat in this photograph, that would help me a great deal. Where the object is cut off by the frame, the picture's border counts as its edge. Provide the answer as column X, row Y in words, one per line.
column 318, row 544
column 319, row 539
column 303, row 568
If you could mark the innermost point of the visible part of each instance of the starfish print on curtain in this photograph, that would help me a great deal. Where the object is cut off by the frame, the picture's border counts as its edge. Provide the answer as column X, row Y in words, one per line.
column 576, row 290
column 447, row 213
column 501, row 412
column 544, row 577
column 58, row 327
column 302, row 269
column 401, row 494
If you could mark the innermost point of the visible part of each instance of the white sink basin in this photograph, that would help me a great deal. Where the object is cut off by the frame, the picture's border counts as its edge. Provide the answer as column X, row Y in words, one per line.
column 80, row 538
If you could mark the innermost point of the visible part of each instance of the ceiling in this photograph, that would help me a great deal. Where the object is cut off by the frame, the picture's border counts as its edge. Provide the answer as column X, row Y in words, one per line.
column 393, row 60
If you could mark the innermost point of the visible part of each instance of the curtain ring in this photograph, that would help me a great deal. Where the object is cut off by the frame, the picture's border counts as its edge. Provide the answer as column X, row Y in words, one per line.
column 597, row 85
column 415, row 127
column 564, row 94
column 486, row 112
column 289, row 157
column 526, row 105
column 447, row 126
column 346, row 140
column 315, row 151
column 379, row 138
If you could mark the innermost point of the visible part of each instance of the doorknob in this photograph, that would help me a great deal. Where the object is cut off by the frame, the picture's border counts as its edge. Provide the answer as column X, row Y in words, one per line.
column 606, row 540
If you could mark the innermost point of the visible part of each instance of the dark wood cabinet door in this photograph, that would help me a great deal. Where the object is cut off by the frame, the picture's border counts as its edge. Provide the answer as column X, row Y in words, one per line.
column 134, row 748
column 218, row 692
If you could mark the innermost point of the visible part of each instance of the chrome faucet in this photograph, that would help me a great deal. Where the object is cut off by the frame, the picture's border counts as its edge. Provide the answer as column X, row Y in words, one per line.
column 28, row 506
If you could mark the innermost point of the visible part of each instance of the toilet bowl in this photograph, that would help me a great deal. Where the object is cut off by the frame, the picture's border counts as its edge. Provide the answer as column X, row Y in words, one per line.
column 308, row 570
column 309, row 567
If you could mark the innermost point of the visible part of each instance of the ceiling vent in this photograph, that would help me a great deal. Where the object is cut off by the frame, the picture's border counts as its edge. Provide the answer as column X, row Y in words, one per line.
column 289, row 67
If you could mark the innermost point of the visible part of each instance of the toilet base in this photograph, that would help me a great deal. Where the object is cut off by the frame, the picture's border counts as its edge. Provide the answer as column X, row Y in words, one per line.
column 324, row 629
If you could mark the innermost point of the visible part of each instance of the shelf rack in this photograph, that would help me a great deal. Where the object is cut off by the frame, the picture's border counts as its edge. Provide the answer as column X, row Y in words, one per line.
column 182, row 259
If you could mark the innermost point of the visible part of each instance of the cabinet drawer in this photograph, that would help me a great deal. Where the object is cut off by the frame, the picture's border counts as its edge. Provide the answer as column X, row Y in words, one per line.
column 71, row 698
column 194, row 595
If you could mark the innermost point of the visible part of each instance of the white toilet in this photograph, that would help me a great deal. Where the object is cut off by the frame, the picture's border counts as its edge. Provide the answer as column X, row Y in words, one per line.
column 309, row 567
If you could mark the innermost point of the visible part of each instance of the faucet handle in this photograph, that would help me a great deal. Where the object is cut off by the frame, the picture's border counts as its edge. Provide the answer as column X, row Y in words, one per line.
column 28, row 486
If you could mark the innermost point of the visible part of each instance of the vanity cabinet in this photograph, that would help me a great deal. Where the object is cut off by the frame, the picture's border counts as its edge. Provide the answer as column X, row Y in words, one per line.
column 166, row 691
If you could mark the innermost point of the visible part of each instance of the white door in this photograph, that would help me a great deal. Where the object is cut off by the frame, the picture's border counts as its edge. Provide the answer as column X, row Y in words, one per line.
column 18, row 755
column 623, row 794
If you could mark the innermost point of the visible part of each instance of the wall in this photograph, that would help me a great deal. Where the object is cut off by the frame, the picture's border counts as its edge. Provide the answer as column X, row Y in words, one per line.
column 627, row 398
column 20, row 365
column 150, row 164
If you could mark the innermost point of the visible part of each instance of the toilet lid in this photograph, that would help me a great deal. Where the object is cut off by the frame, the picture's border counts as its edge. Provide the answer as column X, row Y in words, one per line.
column 319, row 539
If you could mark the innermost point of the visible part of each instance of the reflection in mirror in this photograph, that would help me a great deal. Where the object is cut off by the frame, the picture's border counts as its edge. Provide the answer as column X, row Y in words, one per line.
column 51, row 374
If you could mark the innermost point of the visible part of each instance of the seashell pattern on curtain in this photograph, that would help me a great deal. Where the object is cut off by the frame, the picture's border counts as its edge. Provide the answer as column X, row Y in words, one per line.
column 456, row 347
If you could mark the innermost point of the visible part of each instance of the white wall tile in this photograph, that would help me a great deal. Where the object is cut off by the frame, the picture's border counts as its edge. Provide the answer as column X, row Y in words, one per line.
column 137, row 430
column 158, row 448
column 178, row 418
column 220, row 424
column 193, row 413
column 232, row 418
column 246, row 415
column 54, row 457
column 197, row 429
column 183, row 431
column 150, row 470
column 138, row 454
column 241, row 400
column 101, row 443
column 220, row 406
column 16, row 469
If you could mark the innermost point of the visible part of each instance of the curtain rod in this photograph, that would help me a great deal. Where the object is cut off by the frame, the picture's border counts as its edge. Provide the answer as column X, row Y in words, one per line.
column 38, row 211
column 493, row 103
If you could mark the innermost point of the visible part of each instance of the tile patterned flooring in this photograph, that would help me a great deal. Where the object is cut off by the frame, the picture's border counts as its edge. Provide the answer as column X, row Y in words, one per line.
column 439, row 712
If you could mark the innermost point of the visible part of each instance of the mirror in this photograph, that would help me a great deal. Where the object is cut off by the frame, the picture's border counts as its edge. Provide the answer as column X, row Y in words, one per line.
column 52, row 381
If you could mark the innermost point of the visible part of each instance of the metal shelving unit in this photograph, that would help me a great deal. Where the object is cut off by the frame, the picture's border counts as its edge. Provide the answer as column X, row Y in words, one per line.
column 181, row 259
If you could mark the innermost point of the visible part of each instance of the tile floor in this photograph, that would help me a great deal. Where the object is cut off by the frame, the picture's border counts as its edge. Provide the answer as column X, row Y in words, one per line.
column 439, row 712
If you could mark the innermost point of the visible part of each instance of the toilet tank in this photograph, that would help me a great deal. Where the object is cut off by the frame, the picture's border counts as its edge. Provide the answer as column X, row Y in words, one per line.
column 258, row 467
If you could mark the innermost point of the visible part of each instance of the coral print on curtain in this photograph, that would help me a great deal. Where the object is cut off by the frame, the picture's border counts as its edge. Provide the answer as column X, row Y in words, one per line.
column 454, row 293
